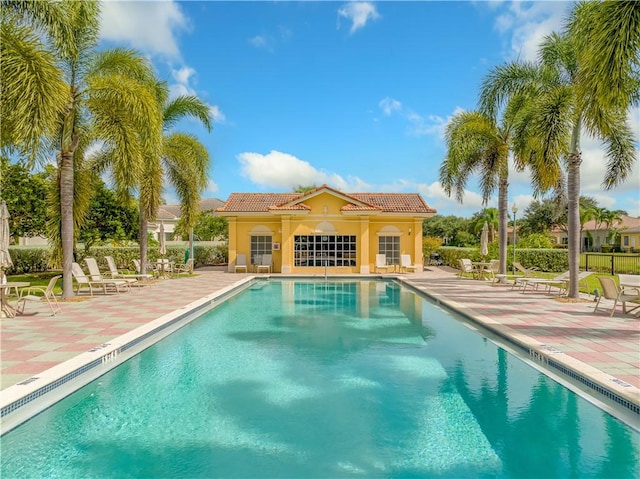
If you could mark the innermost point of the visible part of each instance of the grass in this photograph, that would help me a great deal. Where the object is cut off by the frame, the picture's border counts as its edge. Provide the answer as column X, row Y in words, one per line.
column 38, row 279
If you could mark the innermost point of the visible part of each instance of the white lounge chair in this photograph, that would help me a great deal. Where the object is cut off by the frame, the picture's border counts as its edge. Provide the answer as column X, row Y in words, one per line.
column 265, row 263
column 610, row 290
column 241, row 262
column 83, row 281
column 561, row 281
column 96, row 275
column 381, row 263
column 115, row 274
column 27, row 295
column 407, row 265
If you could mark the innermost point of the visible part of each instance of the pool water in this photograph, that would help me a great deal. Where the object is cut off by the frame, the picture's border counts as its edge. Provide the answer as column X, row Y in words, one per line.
column 302, row 379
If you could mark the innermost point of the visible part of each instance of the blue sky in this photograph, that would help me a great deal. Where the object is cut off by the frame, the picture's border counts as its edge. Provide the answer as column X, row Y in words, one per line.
column 352, row 94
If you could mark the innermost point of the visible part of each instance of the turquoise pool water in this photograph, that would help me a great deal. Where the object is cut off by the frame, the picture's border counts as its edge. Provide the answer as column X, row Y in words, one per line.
column 293, row 379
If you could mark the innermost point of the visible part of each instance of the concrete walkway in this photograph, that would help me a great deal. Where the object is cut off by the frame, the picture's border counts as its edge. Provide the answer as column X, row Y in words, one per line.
column 604, row 349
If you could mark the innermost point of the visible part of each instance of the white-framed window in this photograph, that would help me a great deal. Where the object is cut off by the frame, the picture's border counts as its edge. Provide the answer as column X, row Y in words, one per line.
column 324, row 250
column 390, row 246
column 260, row 244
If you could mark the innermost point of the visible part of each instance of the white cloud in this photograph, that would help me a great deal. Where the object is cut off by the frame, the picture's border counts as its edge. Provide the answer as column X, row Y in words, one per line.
column 258, row 41
column 285, row 171
column 527, row 23
column 147, row 26
column 183, row 74
column 359, row 13
column 212, row 187
column 184, row 77
column 388, row 105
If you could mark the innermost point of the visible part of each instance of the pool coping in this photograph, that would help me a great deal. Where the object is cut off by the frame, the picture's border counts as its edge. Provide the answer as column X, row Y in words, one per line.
column 101, row 359
column 597, row 381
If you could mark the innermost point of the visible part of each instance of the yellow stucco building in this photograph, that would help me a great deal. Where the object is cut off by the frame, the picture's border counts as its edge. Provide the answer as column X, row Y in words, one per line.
column 324, row 228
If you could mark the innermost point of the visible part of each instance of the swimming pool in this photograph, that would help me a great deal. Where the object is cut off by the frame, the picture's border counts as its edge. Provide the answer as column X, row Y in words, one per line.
column 323, row 379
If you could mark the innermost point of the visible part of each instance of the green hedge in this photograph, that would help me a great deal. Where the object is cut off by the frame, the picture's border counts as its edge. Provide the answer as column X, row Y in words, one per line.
column 28, row 260
column 33, row 260
column 553, row 260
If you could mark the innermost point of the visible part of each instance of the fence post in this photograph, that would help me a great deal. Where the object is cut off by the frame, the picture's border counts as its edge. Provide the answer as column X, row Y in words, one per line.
column 613, row 269
column 586, row 261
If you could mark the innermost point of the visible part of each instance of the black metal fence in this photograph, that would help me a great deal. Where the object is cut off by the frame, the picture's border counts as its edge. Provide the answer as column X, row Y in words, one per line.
column 612, row 263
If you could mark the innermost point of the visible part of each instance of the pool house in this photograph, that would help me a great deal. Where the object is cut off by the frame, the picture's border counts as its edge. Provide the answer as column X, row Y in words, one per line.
column 324, row 230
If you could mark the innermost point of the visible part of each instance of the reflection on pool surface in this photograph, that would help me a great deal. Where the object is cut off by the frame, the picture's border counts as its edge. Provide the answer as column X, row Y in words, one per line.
column 329, row 380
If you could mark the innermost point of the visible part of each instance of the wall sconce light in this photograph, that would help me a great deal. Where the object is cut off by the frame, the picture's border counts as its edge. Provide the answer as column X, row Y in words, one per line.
column 279, row 230
column 409, row 230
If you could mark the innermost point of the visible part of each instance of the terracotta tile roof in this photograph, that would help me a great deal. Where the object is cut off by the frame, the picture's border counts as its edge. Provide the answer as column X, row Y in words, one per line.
column 626, row 223
column 395, row 202
column 385, row 202
column 255, row 202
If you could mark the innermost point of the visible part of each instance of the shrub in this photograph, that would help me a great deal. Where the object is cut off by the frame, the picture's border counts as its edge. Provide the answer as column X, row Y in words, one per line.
column 535, row 240
column 430, row 244
column 544, row 259
column 28, row 260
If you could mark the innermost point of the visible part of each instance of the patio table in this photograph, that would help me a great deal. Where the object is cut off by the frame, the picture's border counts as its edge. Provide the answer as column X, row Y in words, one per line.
column 7, row 310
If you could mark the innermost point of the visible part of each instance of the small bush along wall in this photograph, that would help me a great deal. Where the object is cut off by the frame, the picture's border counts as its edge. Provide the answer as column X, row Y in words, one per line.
column 554, row 260
column 33, row 260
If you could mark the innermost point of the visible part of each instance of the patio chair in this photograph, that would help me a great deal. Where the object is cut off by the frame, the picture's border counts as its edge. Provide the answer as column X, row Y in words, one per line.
column 83, row 281
column 48, row 297
column 184, row 268
column 265, row 263
column 381, row 263
column 466, row 266
column 406, row 264
column 115, row 274
column 241, row 262
column 96, row 275
column 610, row 290
column 524, row 273
column 560, row 281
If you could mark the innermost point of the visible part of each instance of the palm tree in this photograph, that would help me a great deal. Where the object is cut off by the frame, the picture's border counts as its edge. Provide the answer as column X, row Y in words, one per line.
column 108, row 99
column 608, row 35
column 34, row 94
column 183, row 159
column 555, row 124
column 475, row 144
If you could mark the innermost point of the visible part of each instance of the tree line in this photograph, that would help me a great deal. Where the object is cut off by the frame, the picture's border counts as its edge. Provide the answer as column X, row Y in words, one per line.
column 88, row 112
column 584, row 81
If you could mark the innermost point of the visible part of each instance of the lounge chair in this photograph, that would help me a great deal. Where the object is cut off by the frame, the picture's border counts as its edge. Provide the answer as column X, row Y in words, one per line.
column 184, row 268
column 115, row 274
column 524, row 273
column 83, row 281
column 406, row 264
column 381, row 263
column 241, row 262
column 96, row 275
column 610, row 290
column 265, row 263
column 27, row 295
column 561, row 281
column 466, row 266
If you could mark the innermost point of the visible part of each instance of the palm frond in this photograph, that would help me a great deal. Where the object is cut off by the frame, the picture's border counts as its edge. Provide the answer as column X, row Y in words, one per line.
column 33, row 95
column 186, row 106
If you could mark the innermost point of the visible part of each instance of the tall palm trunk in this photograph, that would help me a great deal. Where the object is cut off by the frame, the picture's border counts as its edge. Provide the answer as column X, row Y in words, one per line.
column 67, row 223
column 503, row 188
column 573, row 211
column 144, row 225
